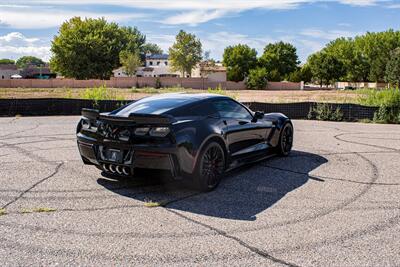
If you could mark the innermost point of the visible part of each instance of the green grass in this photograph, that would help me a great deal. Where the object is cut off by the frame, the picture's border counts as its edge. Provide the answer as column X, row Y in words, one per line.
column 374, row 97
column 388, row 101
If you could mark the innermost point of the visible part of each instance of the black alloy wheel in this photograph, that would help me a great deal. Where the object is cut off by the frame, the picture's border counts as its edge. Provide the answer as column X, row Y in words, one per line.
column 286, row 140
column 211, row 167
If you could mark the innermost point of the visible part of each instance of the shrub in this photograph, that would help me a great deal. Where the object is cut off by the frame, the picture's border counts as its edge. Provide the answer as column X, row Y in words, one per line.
column 325, row 112
column 100, row 93
column 219, row 91
column 158, row 83
column 388, row 101
column 257, row 79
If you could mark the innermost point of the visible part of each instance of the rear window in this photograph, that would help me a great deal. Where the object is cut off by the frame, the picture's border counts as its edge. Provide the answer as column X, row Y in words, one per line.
column 202, row 109
column 152, row 106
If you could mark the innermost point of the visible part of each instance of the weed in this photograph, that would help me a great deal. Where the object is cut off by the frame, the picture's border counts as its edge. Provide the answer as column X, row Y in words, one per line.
column 41, row 209
column 100, row 93
column 153, row 204
column 325, row 112
column 3, row 212
column 158, row 83
column 219, row 91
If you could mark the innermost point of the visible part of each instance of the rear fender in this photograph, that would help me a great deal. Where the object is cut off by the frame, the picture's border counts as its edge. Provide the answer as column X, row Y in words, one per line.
column 278, row 120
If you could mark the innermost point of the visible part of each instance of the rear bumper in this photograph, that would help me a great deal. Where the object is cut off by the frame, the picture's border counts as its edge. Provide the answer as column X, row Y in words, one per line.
column 158, row 157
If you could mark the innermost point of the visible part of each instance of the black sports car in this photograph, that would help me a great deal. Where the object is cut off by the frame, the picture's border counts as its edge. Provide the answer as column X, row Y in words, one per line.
column 193, row 136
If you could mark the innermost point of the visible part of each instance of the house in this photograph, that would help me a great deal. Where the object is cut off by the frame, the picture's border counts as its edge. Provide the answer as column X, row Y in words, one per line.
column 8, row 70
column 34, row 72
column 155, row 66
column 119, row 72
column 212, row 71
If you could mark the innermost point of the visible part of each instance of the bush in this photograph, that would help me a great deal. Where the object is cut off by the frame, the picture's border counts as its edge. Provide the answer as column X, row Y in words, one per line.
column 388, row 101
column 100, row 93
column 158, row 83
column 325, row 112
column 257, row 79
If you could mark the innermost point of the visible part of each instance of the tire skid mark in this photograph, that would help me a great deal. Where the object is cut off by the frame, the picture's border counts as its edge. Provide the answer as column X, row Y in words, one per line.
column 329, row 178
column 253, row 249
column 33, row 186
column 18, row 132
column 132, row 259
column 338, row 137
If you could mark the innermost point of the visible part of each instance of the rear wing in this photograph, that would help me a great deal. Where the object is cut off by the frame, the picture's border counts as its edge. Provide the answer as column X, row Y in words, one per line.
column 134, row 118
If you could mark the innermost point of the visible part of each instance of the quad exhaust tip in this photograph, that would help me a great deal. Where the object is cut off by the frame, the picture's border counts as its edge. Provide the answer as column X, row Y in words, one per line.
column 121, row 170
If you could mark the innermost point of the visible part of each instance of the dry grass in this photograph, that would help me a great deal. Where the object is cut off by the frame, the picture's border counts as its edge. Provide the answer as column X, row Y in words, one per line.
column 284, row 96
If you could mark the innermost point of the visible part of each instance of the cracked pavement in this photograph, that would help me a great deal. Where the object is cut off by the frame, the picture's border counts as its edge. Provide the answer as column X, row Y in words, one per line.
column 333, row 202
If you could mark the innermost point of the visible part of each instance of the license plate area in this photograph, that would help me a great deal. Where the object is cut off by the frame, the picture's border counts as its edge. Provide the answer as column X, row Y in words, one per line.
column 115, row 155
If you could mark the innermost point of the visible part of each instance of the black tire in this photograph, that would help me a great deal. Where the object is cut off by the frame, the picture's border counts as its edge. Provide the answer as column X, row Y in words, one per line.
column 285, row 140
column 210, row 167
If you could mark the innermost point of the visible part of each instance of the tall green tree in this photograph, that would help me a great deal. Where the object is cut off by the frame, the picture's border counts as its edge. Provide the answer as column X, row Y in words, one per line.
column 257, row 79
column 185, row 53
column 325, row 68
column 301, row 74
column 90, row 48
column 355, row 63
column 7, row 61
column 130, row 62
column 392, row 72
column 150, row 48
column 279, row 58
column 25, row 61
column 238, row 60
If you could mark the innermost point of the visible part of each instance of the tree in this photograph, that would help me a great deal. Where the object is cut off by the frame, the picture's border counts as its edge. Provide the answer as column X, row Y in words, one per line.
column 281, row 57
column 301, row 74
column 392, row 73
column 257, row 78
column 238, row 60
column 185, row 53
column 90, row 48
column 325, row 68
column 7, row 61
column 25, row 61
column 150, row 48
column 130, row 62
column 355, row 63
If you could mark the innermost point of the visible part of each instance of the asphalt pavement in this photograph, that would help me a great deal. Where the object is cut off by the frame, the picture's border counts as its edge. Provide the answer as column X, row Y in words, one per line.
column 333, row 202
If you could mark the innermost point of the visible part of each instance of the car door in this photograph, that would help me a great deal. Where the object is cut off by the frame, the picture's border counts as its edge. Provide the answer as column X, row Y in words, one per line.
column 244, row 135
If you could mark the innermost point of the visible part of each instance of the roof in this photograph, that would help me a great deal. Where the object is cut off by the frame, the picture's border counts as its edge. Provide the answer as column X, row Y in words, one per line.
column 158, row 56
column 160, row 104
column 8, row 67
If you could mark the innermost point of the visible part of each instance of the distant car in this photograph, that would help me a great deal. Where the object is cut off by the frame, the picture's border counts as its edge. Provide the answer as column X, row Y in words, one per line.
column 193, row 136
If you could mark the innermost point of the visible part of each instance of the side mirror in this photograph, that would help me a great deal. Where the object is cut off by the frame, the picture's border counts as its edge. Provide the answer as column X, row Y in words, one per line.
column 258, row 115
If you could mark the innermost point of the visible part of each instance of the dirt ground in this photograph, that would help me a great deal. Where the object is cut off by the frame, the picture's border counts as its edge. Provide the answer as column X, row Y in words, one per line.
column 284, row 96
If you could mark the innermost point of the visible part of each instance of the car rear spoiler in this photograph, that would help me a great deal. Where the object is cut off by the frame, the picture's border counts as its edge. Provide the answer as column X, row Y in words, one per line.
column 136, row 118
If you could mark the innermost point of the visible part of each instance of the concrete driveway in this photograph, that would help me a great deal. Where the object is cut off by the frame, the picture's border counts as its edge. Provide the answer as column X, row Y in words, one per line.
column 333, row 202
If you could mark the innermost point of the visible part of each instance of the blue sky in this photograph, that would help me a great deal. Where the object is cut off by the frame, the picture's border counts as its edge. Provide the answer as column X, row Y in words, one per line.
column 27, row 27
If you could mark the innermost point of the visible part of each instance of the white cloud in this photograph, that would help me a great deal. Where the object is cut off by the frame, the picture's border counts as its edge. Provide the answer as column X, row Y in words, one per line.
column 46, row 17
column 14, row 45
column 194, row 17
column 327, row 35
column 195, row 11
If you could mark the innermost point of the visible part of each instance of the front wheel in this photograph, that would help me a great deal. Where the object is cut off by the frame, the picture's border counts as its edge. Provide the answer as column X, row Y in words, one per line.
column 210, row 167
column 285, row 140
